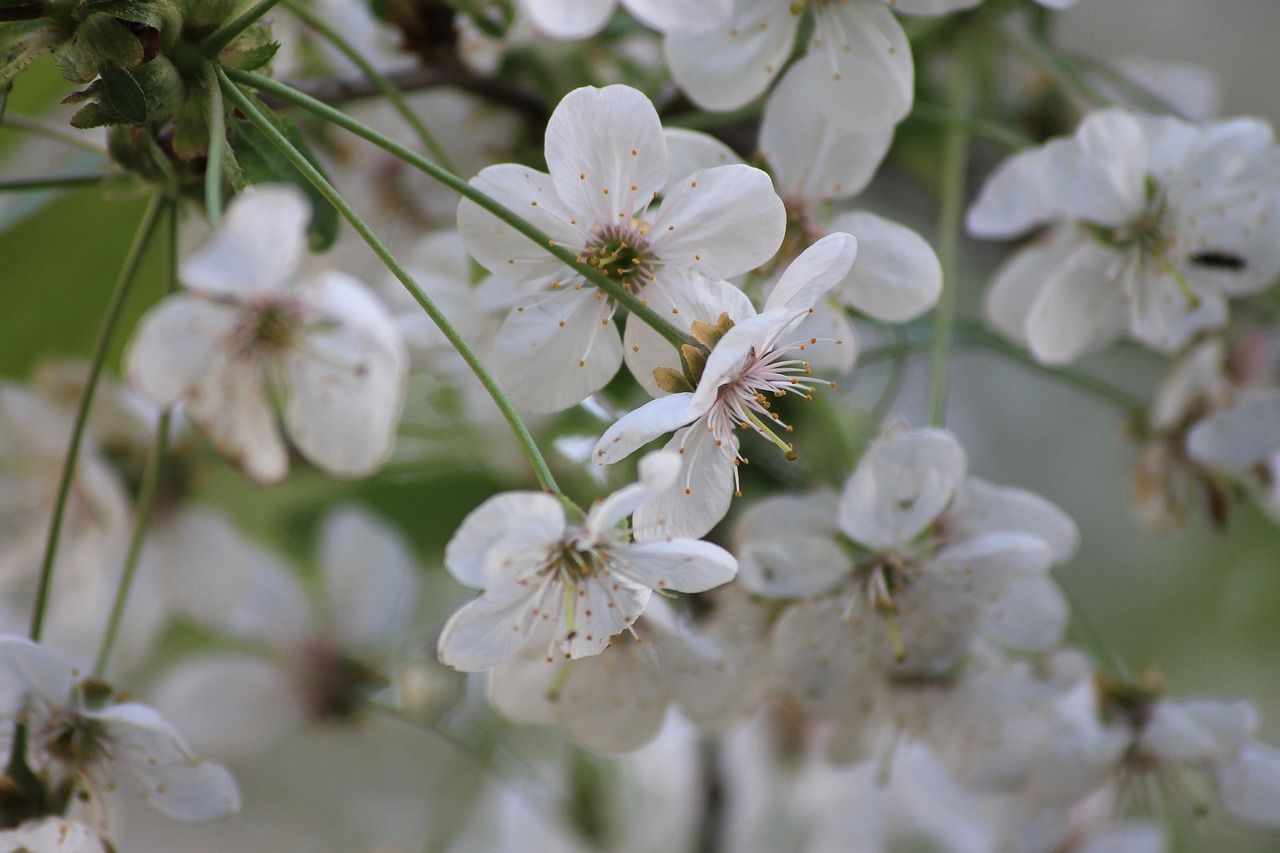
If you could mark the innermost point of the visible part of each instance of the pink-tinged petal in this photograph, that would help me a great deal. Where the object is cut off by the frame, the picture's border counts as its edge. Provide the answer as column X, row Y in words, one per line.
column 1081, row 306
column 682, row 298
column 1250, row 786
column 256, row 249
column 614, row 702
column 174, row 346
column 555, row 350
column 700, row 497
column 858, row 69
column 233, row 705
column 569, row 19
column 603, row 607
column 347, row 380
column 682, row 565
column 636, row 429
column 788, row 546
column 897, row 276
column 903, row 482
column 370, row 578
column 731, row 64
column 811, row 158
column 229, row 404
column 818, row 269
column 606, row 153
column 530, row 194
column 680, row 16
column 490, row 628
column 720, row 222
column 689, row 151
column 981, row 508
column 1241, row 436
column 529, row 515
column 1016, row 197
column 1099, row 175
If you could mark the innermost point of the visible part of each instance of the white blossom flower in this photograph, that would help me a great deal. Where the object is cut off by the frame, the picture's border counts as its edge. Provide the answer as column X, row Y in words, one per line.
column 77, row 736
column 53, row 835
column 1156, row 223
column 747, row 365
column 1243, row 439
column 575, row 19
column 608, row 161
column 590, row 581
column 248, row 333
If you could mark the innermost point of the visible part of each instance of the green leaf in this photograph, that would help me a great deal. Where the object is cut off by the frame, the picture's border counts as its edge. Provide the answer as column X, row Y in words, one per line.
column 262, row 163
column 21, row 44
column 122, row 94
column 99, row 41
column 252, row 59
column 162, row 87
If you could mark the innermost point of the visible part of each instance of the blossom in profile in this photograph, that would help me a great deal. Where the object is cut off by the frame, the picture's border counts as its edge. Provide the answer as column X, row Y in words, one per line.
column 1154, row 225
column 249, row 335
column 611, row 197
column 80, row 742
column 590, row 581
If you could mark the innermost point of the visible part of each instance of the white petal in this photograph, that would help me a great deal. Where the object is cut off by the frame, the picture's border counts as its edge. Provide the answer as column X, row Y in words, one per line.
column 1161, row 314
column 257, row 247
column 1250, row 787
column 1100, row 174
column 1019, row 281
column 981, row 507
column 229, row 405
column 683, row 565
column 689, row 151
column 1030, row 614
column 932, row 7
column 726, row 67
column 811, row 158
column 521, row 514
column 1015, row 198
column 729, row 356
column 1198, row 732
column 174, row 345
column 33, row 670
column 636, row 429
column 488, row 629
column 858, row 70
column 347, row 381
column 700, row 496
column 903, row 482
column 603, row 607
column 679, row 16
column 613, row 702
column 818, row 269
column 556, row 349
column 681, row 300
column 605, row 152
column 1080, row 308
column 52, row 835
column 501, row 249
column 897, row 276
column 720, row 222
column 1240, row 436
column 569, row 19
column 370, row 578
column 787, row 546
column 657, row 471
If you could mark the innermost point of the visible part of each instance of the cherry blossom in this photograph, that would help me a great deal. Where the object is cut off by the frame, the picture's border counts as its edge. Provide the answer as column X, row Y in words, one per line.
column 589, row 581
column 249, row 332
column 608, row 162
column 574, row 19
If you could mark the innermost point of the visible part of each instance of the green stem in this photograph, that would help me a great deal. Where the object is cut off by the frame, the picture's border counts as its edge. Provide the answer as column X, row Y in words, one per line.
column 1057, row 66
column 384, row 85
column 218, row 41
column 955, row 160
column 217, row 146
column 59, row 182
column 615, row 291
column 39, row 128
column 123, row 284
column 146, row 501
column 1089, row 636
column 978, row 128
column 264, row 126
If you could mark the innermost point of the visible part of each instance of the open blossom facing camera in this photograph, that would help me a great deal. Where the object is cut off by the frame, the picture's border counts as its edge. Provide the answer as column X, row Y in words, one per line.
column 81, row 743
column 249, row 333
column 608, row 162
column 727, row 387
column 1155, row 224
column 590, row 581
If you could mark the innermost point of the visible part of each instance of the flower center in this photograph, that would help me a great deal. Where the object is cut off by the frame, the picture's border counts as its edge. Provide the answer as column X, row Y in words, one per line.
column 269, row 328
column 622, row 254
